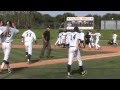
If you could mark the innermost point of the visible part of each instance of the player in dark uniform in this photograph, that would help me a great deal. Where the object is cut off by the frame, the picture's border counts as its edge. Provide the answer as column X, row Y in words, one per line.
column 87, row 40
column 46, row 43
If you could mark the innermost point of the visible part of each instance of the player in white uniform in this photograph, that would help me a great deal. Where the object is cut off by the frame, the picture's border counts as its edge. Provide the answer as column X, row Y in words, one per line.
column 27, row 38
column 3, row 30
column 63, row 39
column 6, row 44
column 67, row 37
column 91, row 39
column 60, row 39
column 82, row 39
column 114, row 37
column 58, row 42
column 97, row 46
column 74, row 51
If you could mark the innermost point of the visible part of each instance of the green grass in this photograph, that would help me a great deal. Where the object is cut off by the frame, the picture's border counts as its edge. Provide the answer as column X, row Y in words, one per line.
column 38, row 33
column 18, row 42
column 18, row 55
column 107, row 34
column 106, row 68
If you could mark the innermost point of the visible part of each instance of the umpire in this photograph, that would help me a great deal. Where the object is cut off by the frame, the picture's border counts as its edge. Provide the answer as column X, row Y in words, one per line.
column 46, row 43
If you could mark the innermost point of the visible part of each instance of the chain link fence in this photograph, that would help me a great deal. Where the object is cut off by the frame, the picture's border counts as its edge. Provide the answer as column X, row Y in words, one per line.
column 110, row 24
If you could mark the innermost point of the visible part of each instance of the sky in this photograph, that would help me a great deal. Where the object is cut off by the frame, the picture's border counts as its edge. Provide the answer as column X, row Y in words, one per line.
column 78, row 13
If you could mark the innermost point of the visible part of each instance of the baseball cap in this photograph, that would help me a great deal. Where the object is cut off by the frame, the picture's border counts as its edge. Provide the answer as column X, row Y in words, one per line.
column 76, row 28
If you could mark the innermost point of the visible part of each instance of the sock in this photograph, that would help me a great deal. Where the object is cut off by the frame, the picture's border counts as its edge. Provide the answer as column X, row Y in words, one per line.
column 81, row 68
column 68, row 68
column 29, row 56
column 26, row 53
column 8, row 67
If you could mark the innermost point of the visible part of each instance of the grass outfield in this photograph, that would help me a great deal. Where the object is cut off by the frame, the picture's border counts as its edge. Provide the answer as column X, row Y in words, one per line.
column 101, row 42
column 107, row 34
column 18, row 55
column 106, row 68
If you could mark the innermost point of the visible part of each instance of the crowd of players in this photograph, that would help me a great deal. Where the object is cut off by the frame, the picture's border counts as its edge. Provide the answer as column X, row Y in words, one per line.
column 88, row 39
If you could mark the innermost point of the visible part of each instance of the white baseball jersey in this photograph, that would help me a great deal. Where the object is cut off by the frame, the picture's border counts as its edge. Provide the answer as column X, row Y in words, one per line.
column 73, row 39
column 67, row 37
column 9, row 37
column 72, row 47
column 63, row 35
column 29, row 36
column 6, row 42
column 68, row 34
column 59, row 35
column 59, row 38
column 97, row 35
column 2, row 29
column 114, row 36
column 81, row 36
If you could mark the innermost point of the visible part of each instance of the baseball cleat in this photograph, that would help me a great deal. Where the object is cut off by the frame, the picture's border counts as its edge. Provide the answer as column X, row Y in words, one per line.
column 69, row 75
column 84, row 73
column 9, row 71
column 28, row 62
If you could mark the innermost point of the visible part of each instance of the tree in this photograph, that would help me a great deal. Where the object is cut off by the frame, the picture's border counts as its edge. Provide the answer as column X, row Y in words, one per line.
column 59, row 18
column 65, row 15
column 97, row 21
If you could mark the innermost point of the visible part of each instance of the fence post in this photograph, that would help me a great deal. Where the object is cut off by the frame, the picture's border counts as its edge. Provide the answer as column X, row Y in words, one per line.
column 116, row 24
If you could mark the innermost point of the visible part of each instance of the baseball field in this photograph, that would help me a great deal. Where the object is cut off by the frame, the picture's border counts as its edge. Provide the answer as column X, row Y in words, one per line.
column 100, row 64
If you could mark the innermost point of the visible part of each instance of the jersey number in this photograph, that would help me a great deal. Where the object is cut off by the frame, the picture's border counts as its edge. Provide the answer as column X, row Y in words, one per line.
column 28, row 35
column 73, row 37
column 9, row 34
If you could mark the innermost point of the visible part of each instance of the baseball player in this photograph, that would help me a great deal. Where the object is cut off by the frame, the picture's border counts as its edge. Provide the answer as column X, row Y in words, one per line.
column 82, row 39
column 67, row 38
column 3, row 30
column 97, row 35
column 63, row 39
column 74, row 51
column 58, row 42
column 91, row 38
column 114, row 38
column 27, row 38
column 6, row 44
column 87, row 40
